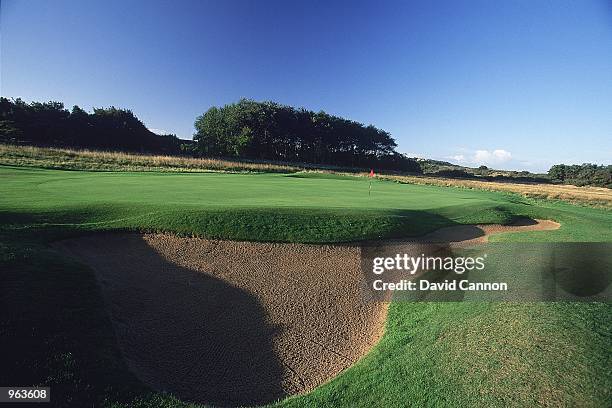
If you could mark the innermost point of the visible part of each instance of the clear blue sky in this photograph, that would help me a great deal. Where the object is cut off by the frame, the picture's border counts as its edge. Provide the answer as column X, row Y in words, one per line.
column 511, row 84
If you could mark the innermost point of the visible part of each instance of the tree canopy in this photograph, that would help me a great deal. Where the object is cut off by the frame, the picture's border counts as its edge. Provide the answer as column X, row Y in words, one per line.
column 582, row 174
column 244, row 130
column 271, row 131
column 50, row 124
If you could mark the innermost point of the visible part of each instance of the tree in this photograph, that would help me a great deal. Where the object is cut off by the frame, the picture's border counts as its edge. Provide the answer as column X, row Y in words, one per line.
column 558, row 172
column 50, row 124
column 9, row 132
column 583, row 174
column 268, row 130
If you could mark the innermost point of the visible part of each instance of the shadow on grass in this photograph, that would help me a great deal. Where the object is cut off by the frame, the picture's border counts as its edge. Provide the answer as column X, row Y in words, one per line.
column 304, row 225
column 55, row 331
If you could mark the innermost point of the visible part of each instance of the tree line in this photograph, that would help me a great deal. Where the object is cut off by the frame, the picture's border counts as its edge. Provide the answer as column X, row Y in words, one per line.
column 243, row 130
column 270, row 131
column 582, row 174
column 50, row 124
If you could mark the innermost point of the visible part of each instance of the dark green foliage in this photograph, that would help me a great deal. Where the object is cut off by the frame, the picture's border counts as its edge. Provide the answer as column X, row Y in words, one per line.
column 271, row 131
column 453, row 173
column 9, row 132
column 50, row 124
column 582, row 174
column 519, row 177
column 444, row 169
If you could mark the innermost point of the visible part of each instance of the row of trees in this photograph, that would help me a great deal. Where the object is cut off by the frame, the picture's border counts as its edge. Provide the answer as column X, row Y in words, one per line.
column 245, row 130
column 271, row 131
column 582, row 174
column 50, row 124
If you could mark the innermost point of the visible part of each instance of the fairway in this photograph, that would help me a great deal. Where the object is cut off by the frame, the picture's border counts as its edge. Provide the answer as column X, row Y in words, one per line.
column 241, row 204
column 431, row 353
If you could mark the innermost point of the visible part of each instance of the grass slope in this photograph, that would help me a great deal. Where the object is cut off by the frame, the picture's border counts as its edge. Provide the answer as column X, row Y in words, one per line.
column 95, row 160
column 433, row 354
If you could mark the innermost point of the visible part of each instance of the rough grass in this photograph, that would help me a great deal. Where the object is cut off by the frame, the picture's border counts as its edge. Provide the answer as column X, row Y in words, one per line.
column 71, row 159
column 97, row 160
column 598, row 196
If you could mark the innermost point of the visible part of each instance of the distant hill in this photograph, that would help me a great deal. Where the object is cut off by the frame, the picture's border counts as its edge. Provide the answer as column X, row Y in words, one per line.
column 445, row 169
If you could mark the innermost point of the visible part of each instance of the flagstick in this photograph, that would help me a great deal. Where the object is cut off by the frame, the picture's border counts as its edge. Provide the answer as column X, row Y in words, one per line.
column 370, row 189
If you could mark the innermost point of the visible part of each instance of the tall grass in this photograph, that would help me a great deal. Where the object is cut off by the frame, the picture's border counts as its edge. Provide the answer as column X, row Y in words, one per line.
column 598, row 196
column 71, row 159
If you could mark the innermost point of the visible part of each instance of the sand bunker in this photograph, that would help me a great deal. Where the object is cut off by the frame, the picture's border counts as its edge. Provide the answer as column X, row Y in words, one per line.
column 466, row 235
column 238, row 323
column 232, row 323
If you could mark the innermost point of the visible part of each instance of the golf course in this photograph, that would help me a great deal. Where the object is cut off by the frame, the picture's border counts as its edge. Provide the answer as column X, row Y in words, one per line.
column 59, row 331
column 276, row 204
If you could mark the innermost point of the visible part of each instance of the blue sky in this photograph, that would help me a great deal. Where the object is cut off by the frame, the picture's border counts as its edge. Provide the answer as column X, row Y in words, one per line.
column 512, row 84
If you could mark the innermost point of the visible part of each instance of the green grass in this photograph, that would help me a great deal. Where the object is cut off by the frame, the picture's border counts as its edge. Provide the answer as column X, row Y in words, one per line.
column 480, row 354
column 272, row 207
column 433, row 354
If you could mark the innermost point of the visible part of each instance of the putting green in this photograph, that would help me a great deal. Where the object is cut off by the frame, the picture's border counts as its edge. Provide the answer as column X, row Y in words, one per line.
column 232, row 190
column 272, row 207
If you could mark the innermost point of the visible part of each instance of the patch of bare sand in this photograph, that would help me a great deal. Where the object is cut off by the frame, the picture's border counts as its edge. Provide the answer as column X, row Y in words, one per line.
column 466, row 235
column 232, row 323
column 240, row 323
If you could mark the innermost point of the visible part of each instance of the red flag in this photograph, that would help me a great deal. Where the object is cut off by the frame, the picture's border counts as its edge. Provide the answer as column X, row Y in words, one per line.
column 371, row 172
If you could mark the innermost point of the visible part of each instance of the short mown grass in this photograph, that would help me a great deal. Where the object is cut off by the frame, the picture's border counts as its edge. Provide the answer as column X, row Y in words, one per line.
column 91, row 160
column 56, row 331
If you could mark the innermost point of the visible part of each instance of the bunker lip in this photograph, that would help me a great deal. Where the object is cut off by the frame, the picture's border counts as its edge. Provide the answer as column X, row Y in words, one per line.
column 467, row 235
column 242, row 323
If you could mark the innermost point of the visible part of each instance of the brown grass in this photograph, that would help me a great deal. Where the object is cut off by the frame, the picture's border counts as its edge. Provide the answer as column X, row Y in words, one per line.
column 598, row 196
column 71, row 159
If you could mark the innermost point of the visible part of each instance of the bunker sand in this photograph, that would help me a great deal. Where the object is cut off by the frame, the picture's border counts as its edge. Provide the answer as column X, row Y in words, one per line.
column 239, row 323
column 467, row 235
column 232, row 323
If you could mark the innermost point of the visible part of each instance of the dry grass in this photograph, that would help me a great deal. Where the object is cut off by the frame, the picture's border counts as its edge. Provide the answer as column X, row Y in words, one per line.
column 599, row 196
column 71, row 159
